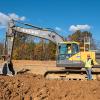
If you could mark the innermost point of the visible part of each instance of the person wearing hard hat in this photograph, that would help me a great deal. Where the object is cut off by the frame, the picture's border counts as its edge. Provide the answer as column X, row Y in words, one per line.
column 88, row 66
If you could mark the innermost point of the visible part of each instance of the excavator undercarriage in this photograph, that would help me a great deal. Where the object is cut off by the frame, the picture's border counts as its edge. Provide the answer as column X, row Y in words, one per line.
column 72, row 74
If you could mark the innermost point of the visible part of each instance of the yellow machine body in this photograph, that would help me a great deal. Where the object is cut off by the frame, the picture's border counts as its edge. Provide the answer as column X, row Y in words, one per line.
column 76, row 58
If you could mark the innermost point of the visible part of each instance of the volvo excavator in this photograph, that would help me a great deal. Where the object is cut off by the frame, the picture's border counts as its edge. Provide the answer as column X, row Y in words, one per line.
column 72, row 63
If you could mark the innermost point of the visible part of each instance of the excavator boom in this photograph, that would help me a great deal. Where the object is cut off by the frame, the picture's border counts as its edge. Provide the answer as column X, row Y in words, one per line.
column 45, row 33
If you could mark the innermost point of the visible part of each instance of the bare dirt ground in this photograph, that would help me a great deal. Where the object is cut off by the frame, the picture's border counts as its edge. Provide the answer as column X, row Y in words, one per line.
column 34, row 85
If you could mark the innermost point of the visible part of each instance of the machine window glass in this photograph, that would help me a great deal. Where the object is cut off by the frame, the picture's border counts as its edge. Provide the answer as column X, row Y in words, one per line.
column 62, row 49
column 67, row 50
column 75, row 48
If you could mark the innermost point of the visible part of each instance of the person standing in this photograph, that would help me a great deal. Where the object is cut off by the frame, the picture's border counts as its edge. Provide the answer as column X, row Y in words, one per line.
column 88, row 66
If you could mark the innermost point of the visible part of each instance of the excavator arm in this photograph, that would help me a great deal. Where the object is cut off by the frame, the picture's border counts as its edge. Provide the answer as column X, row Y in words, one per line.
column 13, row 29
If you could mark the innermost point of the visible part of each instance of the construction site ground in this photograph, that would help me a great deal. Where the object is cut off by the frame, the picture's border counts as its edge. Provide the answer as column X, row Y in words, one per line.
column 31, row 85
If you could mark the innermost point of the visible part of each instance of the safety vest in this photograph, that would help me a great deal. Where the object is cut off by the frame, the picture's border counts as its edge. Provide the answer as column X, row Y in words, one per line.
column 69, row 51
column 88, row 63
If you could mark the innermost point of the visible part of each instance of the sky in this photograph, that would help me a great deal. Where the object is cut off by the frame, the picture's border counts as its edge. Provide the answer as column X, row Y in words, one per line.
column 65, row 16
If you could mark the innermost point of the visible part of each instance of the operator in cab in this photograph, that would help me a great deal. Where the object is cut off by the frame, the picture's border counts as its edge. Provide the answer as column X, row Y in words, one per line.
column 69, row 51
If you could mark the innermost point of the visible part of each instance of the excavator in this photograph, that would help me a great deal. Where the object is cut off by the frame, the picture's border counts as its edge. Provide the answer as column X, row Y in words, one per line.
column 72, row 62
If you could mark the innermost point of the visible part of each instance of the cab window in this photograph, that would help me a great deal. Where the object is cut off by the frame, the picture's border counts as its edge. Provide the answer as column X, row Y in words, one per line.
column 62, row 49
column 75, row 48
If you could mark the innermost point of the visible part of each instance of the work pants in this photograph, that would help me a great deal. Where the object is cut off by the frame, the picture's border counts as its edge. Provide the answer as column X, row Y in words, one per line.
column 89, row 74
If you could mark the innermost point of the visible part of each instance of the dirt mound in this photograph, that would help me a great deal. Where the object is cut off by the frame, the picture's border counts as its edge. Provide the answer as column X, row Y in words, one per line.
column 36, row 87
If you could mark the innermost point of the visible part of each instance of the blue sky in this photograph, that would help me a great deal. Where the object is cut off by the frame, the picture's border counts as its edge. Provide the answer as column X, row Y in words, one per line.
column 56, row 14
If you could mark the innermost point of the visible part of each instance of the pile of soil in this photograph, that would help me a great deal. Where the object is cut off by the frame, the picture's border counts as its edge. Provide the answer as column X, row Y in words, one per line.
column 36, row 87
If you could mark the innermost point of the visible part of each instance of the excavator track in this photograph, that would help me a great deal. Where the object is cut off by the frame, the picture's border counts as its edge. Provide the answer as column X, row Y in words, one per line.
column 70, row 75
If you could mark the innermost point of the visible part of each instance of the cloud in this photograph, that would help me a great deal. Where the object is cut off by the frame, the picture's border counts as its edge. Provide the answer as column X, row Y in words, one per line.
column 16, row 17
column 74, row 28
column 58, row 29
column 5, row 18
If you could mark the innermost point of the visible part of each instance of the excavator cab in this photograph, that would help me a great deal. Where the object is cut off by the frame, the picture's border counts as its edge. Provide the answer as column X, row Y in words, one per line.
column 66, row 52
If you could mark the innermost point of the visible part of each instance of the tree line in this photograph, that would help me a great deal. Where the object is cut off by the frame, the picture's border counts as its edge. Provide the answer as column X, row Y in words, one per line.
column 27, row 47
